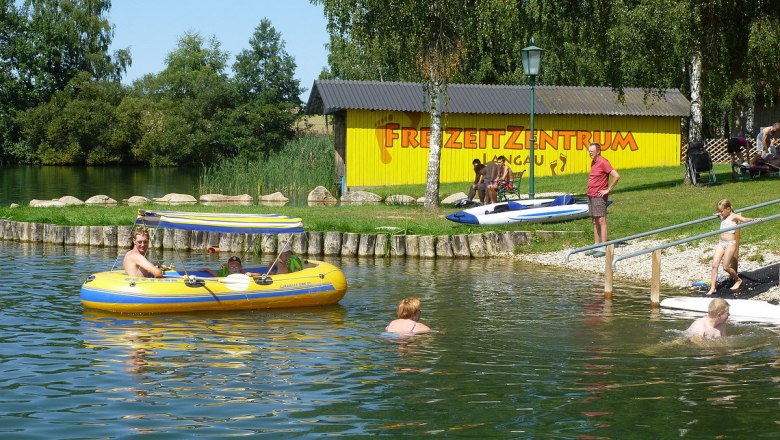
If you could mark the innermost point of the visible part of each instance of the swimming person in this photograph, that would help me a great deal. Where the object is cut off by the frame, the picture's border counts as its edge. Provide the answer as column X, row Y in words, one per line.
column 408, row 313
column 727, row 246
column 713, row 325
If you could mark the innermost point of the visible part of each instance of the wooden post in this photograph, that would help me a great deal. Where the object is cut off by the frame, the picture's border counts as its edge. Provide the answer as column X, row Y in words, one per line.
column 655, row 280
column 608, row 275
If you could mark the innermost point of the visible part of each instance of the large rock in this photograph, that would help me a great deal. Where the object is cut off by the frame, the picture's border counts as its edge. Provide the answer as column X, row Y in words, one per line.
column 275, row 199
column 400, row 199
column 71, row 201
column 100, row 200
column 222, row 200
column 136, row 201
column 449, row 200
column 321, row 196
column 175, row 199
column 361, row 197
column 35, row 203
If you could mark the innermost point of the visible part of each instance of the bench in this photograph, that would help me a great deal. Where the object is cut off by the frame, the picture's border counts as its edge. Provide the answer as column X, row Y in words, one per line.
column 503, row 194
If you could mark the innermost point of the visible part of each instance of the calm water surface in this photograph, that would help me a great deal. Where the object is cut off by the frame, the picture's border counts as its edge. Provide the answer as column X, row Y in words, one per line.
column 525, row 352
column 20, row 184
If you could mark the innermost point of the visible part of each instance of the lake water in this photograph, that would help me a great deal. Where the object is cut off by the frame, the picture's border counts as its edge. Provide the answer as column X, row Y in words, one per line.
column 525, row 352
column 20, row 184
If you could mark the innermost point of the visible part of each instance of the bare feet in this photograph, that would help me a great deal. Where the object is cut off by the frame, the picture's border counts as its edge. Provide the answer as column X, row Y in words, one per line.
column 737, row 284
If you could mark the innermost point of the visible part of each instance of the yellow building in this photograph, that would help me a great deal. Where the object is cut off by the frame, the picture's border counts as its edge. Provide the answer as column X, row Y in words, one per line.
column 382, row 129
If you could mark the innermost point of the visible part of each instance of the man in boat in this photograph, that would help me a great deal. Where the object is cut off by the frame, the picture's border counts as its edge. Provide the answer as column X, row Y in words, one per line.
column 135, row 262
column 714, row 324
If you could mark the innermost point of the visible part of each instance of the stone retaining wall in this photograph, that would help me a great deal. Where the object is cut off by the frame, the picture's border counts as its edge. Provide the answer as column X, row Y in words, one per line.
column 486, row 244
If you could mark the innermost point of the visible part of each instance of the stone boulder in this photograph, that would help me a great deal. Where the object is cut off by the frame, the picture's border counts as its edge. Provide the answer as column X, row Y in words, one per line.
column 321, row 194
column 100, row 200
column 221, row 200
column 449, row 200
column 400, row 199
column 361, row 197
column 14, row 205
column 175, row 199
column 35, row 203
column 70, row 201
column 275, row 199
column 136, row 201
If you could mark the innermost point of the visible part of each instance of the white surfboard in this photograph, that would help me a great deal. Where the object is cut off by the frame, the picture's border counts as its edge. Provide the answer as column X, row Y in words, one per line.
column 739, row 309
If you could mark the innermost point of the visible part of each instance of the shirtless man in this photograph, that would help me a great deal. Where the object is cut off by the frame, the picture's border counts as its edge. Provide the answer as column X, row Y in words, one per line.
column 135, row 262
column 714, row 324
column 765, row 140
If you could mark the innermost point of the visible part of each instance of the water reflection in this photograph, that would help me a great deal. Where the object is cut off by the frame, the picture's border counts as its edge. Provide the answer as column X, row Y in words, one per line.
column 525, row 352
column 20, row 184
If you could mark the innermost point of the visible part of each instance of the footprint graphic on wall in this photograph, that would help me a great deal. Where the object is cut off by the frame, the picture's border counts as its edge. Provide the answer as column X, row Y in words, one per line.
column 379, row 129
column 553, row 165
column 563, row 162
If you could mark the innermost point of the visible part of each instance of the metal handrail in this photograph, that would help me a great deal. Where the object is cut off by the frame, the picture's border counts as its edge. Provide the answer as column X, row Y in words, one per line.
column 664, row 229
column 689, row 239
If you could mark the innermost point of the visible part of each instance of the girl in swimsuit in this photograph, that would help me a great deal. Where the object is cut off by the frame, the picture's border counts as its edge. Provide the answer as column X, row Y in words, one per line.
column 408, row 316
column 727, row 246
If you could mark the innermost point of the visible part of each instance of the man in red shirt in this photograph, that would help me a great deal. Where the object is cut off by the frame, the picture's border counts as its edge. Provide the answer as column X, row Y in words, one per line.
column 599, row 187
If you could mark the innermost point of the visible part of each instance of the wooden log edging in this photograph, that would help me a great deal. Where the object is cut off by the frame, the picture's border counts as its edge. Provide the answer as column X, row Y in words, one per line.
column 384, row 245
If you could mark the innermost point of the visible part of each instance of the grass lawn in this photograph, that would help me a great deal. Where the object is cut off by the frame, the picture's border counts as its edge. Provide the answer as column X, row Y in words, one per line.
column 644, row 199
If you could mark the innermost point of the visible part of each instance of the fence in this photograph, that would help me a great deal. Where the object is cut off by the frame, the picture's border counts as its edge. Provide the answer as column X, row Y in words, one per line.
column 716, row 148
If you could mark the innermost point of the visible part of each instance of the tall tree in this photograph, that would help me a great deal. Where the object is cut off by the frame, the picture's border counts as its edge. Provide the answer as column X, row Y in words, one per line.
column 189, row 100
column 269, row 102
column 265, row 70
column 411, row 40
column 44, row 44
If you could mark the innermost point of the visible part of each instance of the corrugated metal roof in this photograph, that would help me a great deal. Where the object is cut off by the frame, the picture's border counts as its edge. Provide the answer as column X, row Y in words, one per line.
column 330, row 96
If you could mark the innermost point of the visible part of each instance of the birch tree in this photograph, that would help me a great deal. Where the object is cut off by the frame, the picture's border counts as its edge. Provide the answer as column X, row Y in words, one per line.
column 408, row 40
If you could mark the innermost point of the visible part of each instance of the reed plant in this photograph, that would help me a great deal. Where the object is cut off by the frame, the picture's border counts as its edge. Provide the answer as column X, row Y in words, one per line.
column 302, row 165
column 645, row 199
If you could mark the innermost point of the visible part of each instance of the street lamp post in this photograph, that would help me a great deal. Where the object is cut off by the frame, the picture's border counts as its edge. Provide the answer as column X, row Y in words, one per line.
column 532, row 60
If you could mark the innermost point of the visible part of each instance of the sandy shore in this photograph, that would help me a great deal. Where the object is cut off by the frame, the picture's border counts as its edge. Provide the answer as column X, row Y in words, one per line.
column 681, row 266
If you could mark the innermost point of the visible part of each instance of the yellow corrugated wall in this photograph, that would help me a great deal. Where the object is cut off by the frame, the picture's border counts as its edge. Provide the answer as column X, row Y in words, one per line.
column 391, row 148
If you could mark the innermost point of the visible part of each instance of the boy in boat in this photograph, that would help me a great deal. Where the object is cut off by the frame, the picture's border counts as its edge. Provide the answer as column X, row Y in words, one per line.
column 714, row 324
column 232, row 266
column 135, row 262
column 288, row 262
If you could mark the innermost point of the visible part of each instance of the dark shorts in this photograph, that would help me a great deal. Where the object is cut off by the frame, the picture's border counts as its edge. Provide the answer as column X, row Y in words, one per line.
column 597, row 206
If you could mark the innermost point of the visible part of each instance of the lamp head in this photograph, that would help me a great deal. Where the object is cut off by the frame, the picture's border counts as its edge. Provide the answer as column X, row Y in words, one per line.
column 532, row 59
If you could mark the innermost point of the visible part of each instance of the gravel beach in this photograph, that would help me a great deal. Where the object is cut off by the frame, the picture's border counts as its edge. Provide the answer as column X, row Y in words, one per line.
column 681, row 266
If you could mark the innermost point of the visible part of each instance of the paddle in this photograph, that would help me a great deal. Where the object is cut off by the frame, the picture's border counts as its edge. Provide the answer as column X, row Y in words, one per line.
column 236, row 282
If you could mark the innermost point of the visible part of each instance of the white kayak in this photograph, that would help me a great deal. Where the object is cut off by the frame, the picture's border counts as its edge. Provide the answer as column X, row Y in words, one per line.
column 739, row 309
column 558, row 209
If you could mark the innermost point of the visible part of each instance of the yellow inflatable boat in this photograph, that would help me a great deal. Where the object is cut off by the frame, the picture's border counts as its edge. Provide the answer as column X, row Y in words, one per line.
column 317, row 283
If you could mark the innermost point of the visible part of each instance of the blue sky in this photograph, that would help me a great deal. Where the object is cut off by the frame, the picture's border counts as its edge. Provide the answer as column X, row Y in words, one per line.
column 151, row 29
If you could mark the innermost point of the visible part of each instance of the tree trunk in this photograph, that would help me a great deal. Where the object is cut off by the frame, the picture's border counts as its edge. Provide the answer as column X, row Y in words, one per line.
column 694, row 128
column 436, row 91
